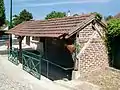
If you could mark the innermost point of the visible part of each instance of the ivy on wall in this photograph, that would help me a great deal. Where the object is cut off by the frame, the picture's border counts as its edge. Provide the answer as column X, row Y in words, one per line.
column 77, row 46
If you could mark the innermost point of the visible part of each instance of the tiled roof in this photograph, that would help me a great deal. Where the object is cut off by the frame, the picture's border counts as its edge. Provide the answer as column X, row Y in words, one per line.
column 52, row 27
column 117, row 15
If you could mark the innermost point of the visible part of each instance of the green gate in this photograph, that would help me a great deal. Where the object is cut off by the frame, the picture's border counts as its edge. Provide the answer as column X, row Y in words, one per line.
column 13, row 56
column 36, row 65
column 32, row 63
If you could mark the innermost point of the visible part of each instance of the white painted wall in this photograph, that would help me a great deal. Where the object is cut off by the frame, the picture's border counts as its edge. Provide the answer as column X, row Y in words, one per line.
column 13, row 36
column 36, row 45
column 24, row 41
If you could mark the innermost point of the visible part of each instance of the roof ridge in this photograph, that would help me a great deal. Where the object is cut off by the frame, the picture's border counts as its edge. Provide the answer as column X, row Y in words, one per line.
column 52, row 19
column 80, row 25
column 79, row 21
column 82, row 15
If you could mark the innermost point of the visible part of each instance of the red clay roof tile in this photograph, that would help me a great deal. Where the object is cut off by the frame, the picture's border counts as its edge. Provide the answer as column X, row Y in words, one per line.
column 49, row 28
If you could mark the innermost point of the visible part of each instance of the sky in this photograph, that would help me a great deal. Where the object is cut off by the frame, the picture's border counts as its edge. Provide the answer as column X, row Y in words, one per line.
column 40, row 8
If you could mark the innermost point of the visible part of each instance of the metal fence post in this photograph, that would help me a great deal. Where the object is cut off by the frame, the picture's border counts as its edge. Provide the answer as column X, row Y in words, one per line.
column 40, row 68
column 47, row 69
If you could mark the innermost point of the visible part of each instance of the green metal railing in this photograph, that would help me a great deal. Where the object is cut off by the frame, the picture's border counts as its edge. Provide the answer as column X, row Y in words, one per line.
column 13, row 56
column 54, row 71
column 37, row 65
column 31, row 63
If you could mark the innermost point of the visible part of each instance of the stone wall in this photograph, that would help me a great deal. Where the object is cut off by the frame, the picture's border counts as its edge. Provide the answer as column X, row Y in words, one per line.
column 93, row 53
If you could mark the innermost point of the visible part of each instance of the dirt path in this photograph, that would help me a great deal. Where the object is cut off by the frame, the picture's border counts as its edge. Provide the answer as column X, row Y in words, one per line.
column 107, row 79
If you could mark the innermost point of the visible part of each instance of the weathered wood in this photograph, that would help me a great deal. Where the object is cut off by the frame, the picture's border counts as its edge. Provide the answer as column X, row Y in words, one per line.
column 20, row 48
column 10, row 36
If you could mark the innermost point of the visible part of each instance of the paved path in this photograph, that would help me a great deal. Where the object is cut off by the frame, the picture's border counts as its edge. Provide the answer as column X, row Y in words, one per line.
column 14, row 78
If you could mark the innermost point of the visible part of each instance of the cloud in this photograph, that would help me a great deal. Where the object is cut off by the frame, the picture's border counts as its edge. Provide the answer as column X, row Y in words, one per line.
column 63, row 3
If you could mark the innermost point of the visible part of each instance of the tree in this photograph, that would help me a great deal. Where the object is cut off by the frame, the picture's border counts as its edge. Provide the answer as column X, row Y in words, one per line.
column 2, row 13
column 7, row 22
column 76, row 15
column 55, row 14
column 24, row 15
column 113, row 38
column 114, row 27
column 98, row 15
column 108, row 18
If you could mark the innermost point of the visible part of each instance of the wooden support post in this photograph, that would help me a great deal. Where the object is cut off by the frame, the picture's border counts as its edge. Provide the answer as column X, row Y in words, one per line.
column 46, row 48
column 20, row 48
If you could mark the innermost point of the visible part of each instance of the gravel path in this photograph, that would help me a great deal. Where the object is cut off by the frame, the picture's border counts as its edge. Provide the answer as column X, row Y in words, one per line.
column 107, row 79
column 12, row 77
column 7, row 84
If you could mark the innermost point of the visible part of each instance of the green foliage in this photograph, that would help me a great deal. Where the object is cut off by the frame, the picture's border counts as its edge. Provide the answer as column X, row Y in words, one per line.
column 55, row 14
column 114, row 27
column 2, row 13
column 7, row 22
column 113, row 31
column 98, row 15
column 76, row 15
column 108, row 18
column 24, row 15
column 77, row 48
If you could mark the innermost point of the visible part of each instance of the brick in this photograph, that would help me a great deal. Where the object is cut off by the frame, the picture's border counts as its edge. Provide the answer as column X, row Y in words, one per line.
column 94, row 56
